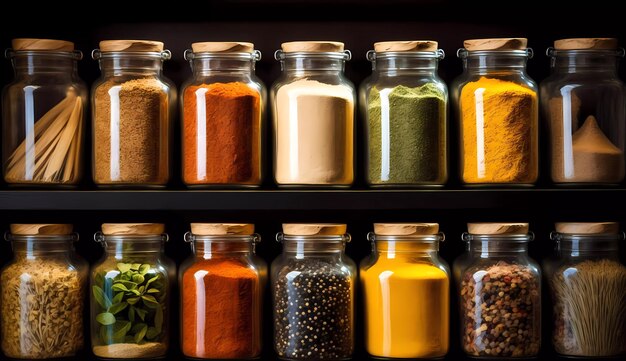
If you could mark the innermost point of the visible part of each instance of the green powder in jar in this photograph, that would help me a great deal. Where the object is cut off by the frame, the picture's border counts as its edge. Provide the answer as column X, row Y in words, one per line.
column 407, row 136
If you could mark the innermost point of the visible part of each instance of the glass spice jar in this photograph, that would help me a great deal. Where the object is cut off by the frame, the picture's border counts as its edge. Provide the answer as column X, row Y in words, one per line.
column 222, row 108
column 500, row 293
column 130, row 291
column 43, row 291
column 497, row 108
column 588, row 285
column 132, row 105
column 584, row 107
column 313, row 116
column 404, row 103
column 406, row 290
column 313, row 285
column 222, row 287
column 43, row 114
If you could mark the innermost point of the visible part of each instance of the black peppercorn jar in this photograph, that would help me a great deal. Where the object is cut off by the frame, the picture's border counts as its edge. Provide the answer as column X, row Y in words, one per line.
column 313, row 293
column 500, row 293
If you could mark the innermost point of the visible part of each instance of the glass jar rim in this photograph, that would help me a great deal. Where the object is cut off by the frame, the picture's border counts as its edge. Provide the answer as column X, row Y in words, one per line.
column 97, row 54
column 281, row 55
column 190, row 55
column 557, row 236
column 513, row 238
column 224, row 238
column 71, row 237
column 343, row 238
column 75, row 54
column 372, row 55
column 100, row 237
column 553, row 53
column 438, row 237
column 463, row 53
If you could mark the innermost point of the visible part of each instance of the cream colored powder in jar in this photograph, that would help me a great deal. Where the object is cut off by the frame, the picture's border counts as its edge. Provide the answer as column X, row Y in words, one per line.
column 314, row 134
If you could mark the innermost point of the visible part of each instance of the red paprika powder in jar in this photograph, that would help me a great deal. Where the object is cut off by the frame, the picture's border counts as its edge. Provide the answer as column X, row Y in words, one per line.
column 222, row 116
column 221, row 292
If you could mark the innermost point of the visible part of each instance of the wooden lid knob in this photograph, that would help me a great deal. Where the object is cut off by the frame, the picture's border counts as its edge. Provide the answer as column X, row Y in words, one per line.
column 317, row 229
column 496, row 44
column 111, row 229
column 312, row 46
column 412, row 45
column 41, row 229
column 222, row 47
column 586, row 44
column 131, row 45
column 25, row 44
column 221, row 229
column 405, row 229
column 497, row 228
column 587, row 227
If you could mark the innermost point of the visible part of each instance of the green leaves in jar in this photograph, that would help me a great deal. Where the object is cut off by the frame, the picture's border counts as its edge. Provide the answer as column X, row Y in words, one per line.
column 130, row 305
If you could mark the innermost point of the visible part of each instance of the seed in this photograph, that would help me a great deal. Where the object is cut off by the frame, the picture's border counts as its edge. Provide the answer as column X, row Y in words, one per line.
column 514, row 333
column 324, row 293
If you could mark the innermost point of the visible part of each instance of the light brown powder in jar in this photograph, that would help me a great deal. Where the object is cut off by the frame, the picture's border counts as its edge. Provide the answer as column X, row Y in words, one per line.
column 133, row 150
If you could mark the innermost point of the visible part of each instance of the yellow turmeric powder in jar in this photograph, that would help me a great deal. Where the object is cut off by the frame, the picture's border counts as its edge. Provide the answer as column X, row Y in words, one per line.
column 406, row 297
column 499, row 132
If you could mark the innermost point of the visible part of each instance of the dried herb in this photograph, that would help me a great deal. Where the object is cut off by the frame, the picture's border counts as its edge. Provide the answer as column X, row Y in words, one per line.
column 406, row 135
column 130, row 306
column 42, row 310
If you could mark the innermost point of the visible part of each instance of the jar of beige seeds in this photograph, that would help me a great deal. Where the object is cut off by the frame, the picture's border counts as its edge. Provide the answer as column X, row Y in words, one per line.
column 43, row 293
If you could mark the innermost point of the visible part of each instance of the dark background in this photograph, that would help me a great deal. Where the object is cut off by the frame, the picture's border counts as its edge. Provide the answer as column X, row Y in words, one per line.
column 267, row 24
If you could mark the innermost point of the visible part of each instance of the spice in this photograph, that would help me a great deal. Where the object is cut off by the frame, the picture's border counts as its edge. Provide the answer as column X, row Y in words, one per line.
column 582, row 154
column 51, row 151
column 130, row 306
column 42, row 309
column 131, row 132
column 222, row 126
column 221, row 310
column 406, row 135
column 590, row 309
column 501, row 313
column 499, row 131
column 313, row 311
column 131, row 351
column 314, row 130
column 407, row 309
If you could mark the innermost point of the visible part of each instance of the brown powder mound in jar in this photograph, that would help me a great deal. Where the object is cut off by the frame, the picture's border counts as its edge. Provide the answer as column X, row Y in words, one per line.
column 501, row 311
column 131, row 350
column 42, row 310
column 591, row 158
column 141, row 134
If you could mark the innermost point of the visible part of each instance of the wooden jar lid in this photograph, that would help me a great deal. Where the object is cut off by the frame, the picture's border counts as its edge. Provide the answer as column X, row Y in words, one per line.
column 41, row 229
column 496, row 44
column 497, row 228
column 586, row 44
column 314, row 229
column 312, row 46
column 411, row 45
column 26, row 44
column 222, row 229
column 112, row 229
column 131, row 45
column 222, row 47
column 405, row 229
column 587, row 227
